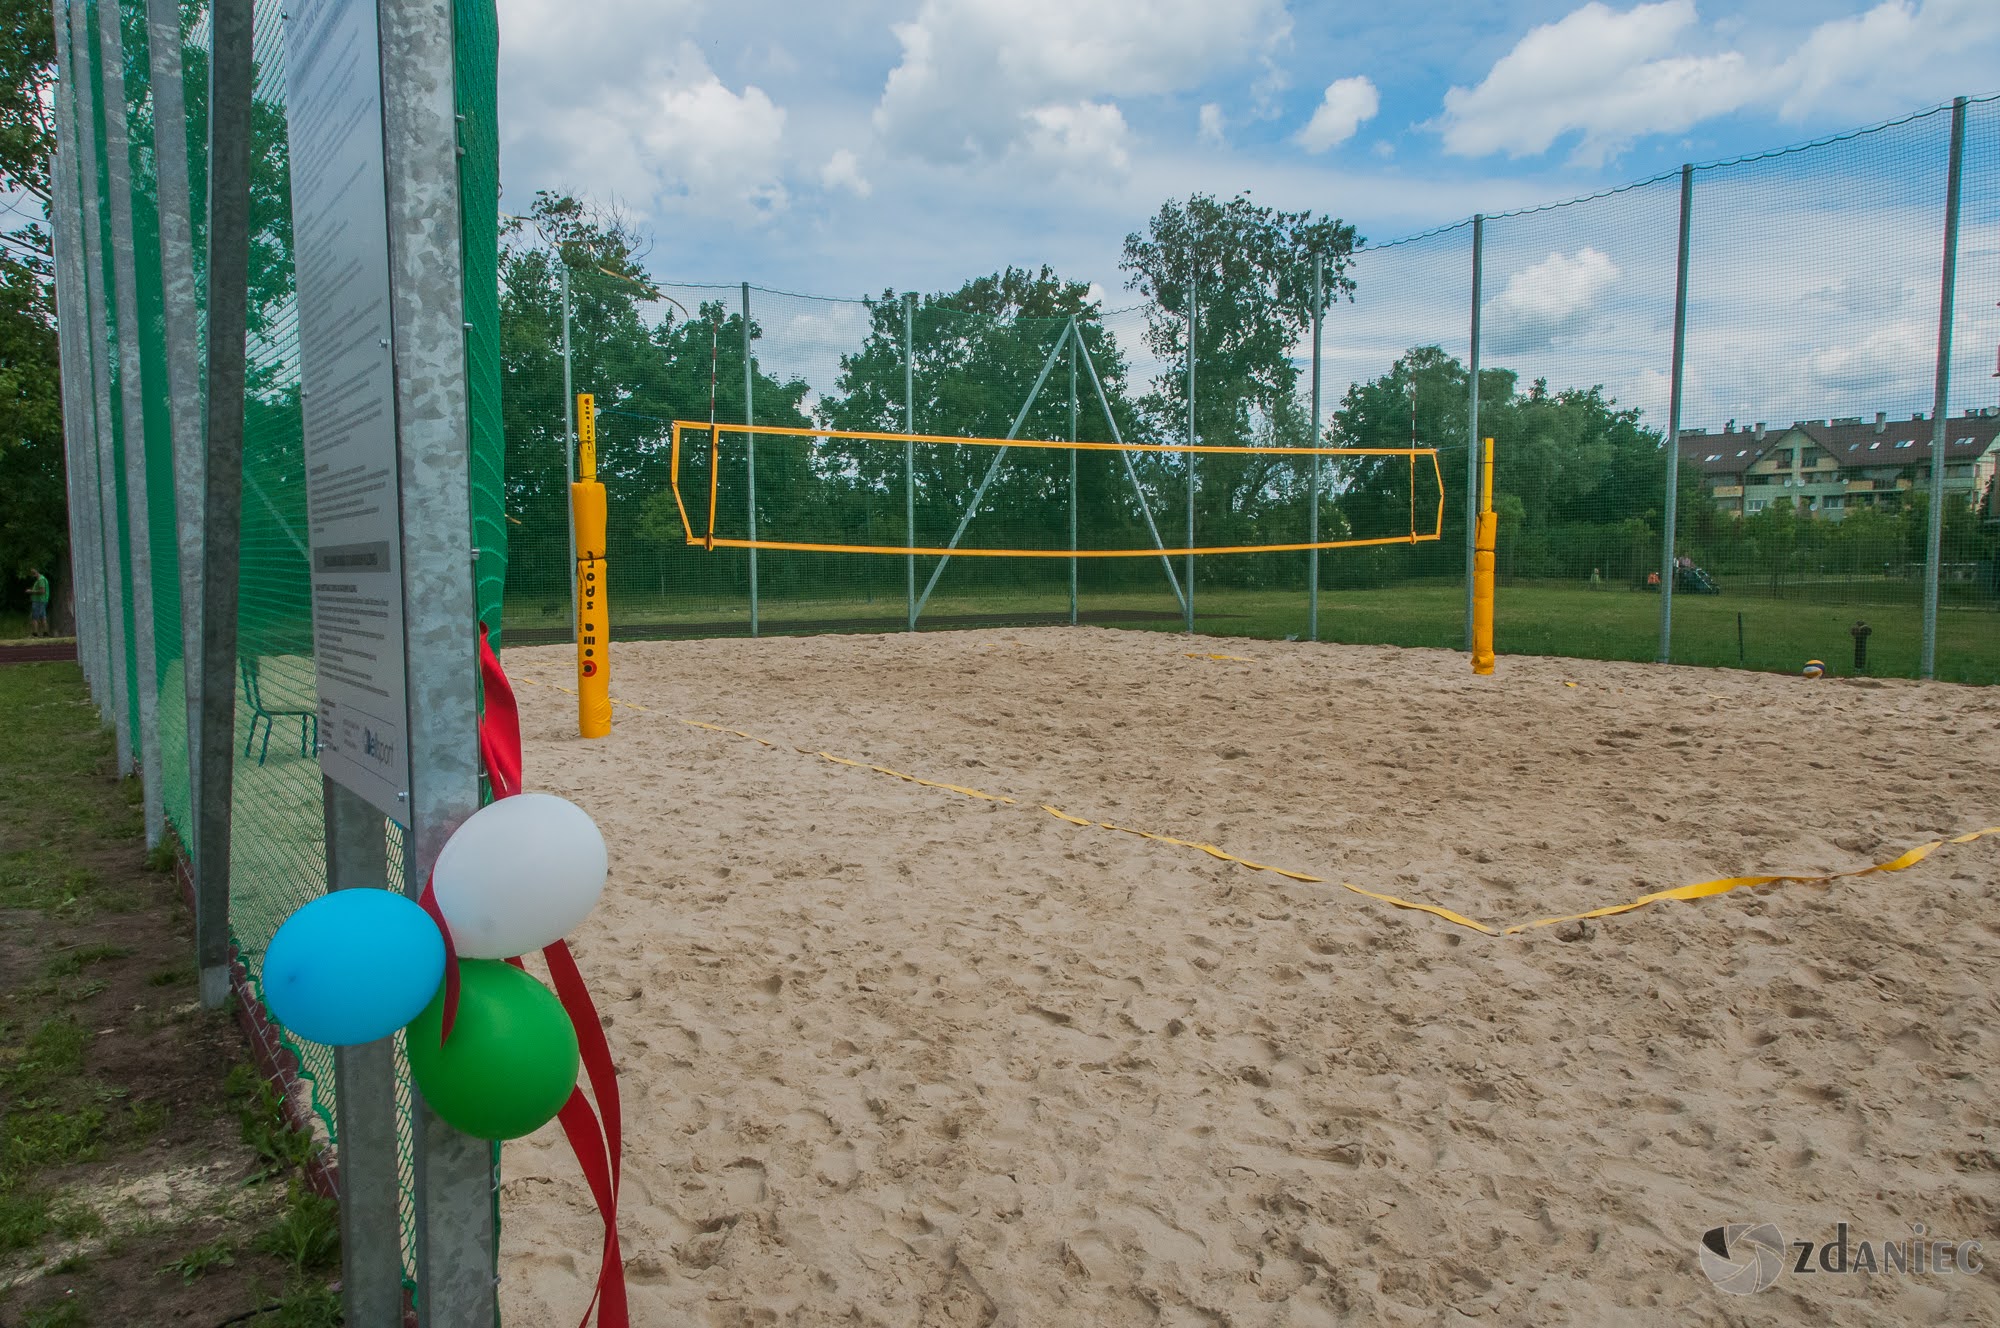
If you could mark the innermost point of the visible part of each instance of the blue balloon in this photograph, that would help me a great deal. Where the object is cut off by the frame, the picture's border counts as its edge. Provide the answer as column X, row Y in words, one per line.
column 353, row 966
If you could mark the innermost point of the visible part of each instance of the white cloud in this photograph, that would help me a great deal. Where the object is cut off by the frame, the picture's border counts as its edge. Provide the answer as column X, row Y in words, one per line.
column 1609, row 75
column 652, row 126
column 1348, row 103
column 972, row 69
column 1555, row 298
column 843, row 171
column 1087, row 137
column 1879, row 61
column 1211, row 124
column 712, row 149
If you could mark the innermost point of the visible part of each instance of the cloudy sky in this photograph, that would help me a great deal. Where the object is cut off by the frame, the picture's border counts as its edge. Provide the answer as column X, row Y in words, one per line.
column 838, row 148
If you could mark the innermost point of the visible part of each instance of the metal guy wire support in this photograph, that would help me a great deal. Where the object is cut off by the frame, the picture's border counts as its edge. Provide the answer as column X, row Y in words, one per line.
column 1074, row 337
column 1312, row 526
column 910, row 453
column 750, row 454
column 986, row 481
column 1677, row 374
column 1472, row 421
column 1193, row 329
column 569, row 448
column 1941, row 394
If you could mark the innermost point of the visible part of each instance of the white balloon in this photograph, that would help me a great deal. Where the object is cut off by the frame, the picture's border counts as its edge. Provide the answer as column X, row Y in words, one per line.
column 518, row 875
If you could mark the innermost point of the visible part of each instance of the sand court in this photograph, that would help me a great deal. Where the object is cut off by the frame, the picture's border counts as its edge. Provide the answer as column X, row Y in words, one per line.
column 930, row 1053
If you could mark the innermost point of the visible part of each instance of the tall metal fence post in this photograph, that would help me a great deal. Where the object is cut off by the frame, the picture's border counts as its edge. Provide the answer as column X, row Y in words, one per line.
column 229, row 85
column 132, row 399
column 371, row 1239
column 456, row 1239
column 1472, row 423
column 117, row 591
column 1312, row 518
column 182, row 333
column 1671, row 503
column 1073, row 338
column 750, row 456
column 910, row 450
column 79, row 419
column 1941, row 394
column 1194, row 325
column 569, row 451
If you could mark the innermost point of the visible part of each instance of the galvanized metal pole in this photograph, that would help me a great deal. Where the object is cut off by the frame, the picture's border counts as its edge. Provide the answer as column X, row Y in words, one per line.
column 117, row 592
column 182, row 330
column 66, row 380
column 1074, row 336
column 1312, row 521
column 1670, row 520
column 456, row 1239
column 371, row 1241
column 1194, row 324
column 750, row 454
column 910, row 453
column 79, row 420
column 229, row 97
column 569, row 449
column 132, row 398
column 1941, row 393
column 1472, row 425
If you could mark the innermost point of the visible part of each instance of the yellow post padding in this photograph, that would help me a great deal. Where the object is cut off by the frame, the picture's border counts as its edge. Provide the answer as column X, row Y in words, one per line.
column 1485, row 538
column 593, row 637
column 587, row 501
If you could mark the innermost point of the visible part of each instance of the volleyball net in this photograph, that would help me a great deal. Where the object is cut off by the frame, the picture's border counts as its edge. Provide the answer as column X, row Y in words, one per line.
column 931, row 495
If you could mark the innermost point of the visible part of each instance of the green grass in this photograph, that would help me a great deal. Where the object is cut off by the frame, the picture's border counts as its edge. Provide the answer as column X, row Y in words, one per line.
column 214, row 1254
column 280, row 1149
column 307, row 1234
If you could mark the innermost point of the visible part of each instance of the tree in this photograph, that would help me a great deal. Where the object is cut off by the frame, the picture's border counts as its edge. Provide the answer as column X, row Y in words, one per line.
column 976, row 355
column 1579, row 481
column 1247, row 273
column 33, row 517
column 27, row 129
column 648, row 362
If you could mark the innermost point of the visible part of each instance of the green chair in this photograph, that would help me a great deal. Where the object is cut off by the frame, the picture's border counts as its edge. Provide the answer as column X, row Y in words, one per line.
column 253, row 691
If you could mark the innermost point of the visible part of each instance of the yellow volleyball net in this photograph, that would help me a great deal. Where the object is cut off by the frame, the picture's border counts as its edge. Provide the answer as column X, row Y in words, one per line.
column 953, row 497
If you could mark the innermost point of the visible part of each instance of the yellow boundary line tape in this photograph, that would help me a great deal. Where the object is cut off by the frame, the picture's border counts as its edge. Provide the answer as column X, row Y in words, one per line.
column 1699, row 890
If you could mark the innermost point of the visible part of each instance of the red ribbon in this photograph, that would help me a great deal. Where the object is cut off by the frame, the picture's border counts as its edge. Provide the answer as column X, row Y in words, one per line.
column 598, row 1144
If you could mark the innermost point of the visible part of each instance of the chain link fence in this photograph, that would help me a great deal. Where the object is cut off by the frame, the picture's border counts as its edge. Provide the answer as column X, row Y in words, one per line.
column 1803, row 381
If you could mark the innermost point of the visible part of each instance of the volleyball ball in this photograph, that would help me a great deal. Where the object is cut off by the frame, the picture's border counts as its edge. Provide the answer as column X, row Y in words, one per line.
column 1814, row 668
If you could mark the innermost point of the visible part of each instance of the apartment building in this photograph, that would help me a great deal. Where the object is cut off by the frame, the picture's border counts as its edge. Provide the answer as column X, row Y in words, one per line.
column 1830, row 467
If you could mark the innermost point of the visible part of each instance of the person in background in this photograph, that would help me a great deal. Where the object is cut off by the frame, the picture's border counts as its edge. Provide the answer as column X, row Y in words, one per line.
column 1596, row 578
column 38, row 603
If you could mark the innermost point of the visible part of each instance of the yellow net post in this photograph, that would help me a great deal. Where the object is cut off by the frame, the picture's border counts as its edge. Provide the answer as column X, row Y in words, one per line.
column 1482, row 568
column 593, row 637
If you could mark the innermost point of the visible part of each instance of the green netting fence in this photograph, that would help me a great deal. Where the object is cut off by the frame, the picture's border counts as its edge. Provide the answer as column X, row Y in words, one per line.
column 278, row 855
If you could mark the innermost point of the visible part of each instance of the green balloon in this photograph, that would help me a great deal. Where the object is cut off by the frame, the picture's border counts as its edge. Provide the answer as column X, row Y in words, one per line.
column 512, row 1057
